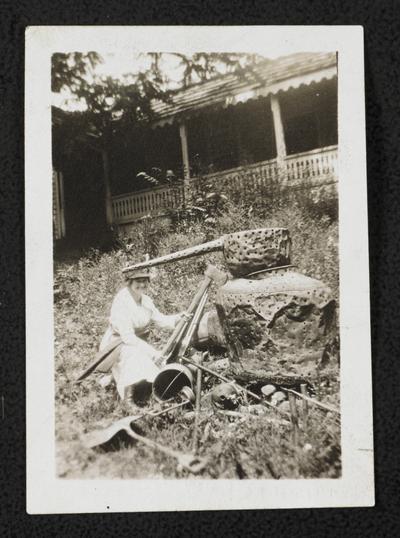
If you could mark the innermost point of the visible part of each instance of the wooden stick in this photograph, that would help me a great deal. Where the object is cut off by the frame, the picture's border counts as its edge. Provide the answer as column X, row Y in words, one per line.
column 197, row 409
column 304, row 406
column 233, row 382
column 100, row 357
column 247, row 416
column 294, row 418
column 314, row 402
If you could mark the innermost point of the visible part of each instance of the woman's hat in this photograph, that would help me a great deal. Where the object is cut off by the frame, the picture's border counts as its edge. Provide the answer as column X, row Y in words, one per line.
column 139, row 273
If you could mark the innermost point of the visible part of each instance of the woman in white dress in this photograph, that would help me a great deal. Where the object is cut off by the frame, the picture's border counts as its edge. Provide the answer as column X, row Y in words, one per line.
column 133, row 360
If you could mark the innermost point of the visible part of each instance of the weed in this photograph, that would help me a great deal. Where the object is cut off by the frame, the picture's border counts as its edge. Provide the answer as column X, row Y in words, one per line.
column 249, row 447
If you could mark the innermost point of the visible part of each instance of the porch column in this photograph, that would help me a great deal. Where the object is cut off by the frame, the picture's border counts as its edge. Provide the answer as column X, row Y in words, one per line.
column 58, row 205
column 62, row 210
column 107, row 188
column 279, row 133
column 185, row 151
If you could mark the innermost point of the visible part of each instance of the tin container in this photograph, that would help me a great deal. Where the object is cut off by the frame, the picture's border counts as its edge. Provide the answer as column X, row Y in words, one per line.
column 171, row 380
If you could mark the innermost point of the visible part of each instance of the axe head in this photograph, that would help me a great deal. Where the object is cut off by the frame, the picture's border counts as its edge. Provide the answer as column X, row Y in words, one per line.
column 218, row 276
column 117, row 431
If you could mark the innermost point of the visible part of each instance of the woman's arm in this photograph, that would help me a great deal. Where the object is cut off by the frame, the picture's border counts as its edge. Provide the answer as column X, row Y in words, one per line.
column 162, row 320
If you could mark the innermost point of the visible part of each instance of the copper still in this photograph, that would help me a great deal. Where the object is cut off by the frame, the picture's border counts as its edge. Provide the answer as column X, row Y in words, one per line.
column 281, row 320
column 284, row 321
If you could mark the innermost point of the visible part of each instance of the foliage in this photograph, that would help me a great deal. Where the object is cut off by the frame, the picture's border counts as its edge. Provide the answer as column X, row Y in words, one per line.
column 203, row 66
column 114, row 107
column 238, row 447
column 70, row 69
column 203, row 204
column 156, row 177
column 114, row 104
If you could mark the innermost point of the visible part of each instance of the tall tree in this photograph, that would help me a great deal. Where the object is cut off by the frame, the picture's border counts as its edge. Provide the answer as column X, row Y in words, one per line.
column 111, row 105
column 116, row 106
column 70, row 69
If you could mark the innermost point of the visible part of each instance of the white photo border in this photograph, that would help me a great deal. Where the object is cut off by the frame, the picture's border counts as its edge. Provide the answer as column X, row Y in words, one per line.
column 48, row 494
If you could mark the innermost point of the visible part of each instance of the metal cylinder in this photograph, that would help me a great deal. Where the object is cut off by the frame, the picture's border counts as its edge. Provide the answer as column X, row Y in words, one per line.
column 244, row 252
column 282, row 320
column 197, row 250
column 254, row 250
column 171, row 380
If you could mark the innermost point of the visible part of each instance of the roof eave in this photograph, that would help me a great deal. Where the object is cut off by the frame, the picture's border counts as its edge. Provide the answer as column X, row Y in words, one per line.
column 255, row 91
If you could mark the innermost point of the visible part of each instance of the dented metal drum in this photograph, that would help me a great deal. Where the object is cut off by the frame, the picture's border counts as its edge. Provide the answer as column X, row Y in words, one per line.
column 268, row 295
column 284, row 318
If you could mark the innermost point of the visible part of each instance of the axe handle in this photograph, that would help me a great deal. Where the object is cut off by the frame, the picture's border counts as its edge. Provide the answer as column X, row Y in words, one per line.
column 100, row 357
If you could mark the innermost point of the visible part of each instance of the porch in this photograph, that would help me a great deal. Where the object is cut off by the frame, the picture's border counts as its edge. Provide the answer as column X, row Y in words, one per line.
column 252, row 182
column 248, row 137
column 244, row 139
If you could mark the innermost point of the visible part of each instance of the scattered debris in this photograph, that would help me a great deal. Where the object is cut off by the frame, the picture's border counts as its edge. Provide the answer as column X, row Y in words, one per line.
column 226, row 396
column 277, row 398
column 268, row 390
column 275, row 324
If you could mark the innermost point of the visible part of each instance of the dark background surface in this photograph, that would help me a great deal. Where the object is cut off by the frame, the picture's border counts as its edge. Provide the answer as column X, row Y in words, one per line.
column 382, row 67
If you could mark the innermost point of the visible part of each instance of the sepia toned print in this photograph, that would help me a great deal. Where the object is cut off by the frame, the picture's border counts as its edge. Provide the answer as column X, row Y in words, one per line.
column 239, row 159
column 198, row 275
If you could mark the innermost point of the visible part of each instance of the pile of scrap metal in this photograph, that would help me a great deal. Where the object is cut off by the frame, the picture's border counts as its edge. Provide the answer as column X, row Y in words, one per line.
column 269, row 318
column 275, row 322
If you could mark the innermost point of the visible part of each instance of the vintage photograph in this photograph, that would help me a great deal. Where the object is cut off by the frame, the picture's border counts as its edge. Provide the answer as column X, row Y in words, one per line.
column 198, row 270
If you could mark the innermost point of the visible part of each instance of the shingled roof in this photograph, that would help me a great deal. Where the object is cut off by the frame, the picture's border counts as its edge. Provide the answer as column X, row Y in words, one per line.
column 269, row 76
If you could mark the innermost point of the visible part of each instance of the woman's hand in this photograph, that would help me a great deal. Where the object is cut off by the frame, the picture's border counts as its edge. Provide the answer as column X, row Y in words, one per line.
column 158, row 359
column 182, row 315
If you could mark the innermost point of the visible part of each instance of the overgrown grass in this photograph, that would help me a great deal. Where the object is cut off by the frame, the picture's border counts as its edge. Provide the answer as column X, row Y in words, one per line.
column 245, row 447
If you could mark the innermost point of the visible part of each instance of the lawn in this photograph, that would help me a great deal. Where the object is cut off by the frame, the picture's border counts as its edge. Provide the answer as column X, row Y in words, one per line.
column 254, row 443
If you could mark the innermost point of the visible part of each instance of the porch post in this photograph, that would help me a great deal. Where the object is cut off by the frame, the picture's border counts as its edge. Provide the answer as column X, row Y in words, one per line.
column 56, row 206
column 185, row 151
column 62, row 210
column 107, row 188
column 279, row 134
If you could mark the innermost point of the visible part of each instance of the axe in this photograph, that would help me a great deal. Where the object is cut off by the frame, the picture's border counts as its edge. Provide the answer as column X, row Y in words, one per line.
column 100, row 437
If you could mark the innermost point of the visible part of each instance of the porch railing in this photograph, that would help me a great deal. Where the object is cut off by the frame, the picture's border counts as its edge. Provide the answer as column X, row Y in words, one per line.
column 243, row 180
column 129, row 207
column 316, row 166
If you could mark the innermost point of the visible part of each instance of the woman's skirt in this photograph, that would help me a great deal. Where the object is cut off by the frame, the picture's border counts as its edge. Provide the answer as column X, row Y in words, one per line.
column 135, row 364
